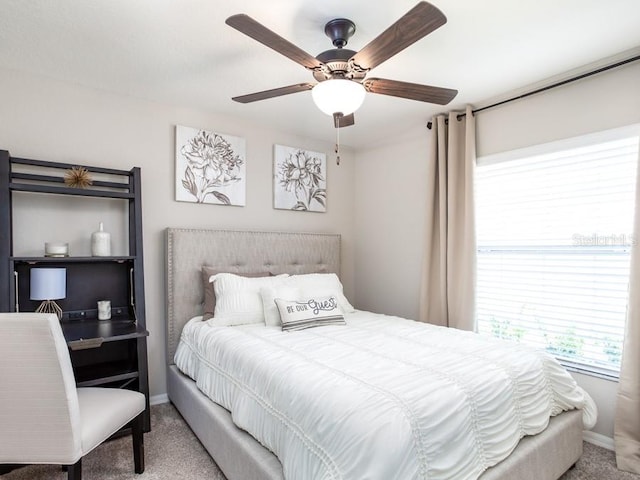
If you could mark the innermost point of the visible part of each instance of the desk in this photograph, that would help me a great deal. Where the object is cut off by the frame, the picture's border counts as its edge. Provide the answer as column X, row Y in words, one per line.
column 107, row 353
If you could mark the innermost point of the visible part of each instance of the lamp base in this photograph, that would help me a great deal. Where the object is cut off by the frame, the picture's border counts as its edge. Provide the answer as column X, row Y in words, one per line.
column 49, row 306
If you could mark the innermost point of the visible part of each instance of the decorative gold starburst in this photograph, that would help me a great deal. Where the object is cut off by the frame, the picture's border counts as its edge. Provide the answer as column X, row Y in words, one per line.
column 77, row 177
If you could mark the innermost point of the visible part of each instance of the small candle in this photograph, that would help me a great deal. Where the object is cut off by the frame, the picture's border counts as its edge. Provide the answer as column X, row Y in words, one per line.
column 104, row 310
column 56, row 249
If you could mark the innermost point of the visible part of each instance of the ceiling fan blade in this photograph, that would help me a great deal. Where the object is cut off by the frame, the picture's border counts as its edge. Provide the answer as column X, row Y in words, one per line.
column 247, row 25
column 412, row 91
column 276, row 92
column 418, row 22
column 340, row 121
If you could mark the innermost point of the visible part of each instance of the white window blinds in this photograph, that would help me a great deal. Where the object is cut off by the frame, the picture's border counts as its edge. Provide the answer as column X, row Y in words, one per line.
column 554, row 229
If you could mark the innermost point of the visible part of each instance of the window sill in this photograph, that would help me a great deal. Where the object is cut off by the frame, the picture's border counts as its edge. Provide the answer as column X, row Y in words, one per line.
column 603, row 373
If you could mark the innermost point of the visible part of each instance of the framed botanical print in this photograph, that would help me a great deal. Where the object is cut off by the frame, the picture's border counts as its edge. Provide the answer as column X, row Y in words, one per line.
column 299, row 179
column 210, row 167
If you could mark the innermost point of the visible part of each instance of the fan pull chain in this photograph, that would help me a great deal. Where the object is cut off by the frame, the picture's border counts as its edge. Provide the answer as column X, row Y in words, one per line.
column 337, row 149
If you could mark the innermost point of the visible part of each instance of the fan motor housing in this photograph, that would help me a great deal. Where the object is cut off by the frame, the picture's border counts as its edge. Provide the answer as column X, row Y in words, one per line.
column 337, row 62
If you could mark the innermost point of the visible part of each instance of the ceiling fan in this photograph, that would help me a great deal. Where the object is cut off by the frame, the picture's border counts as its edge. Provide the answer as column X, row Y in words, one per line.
column 341, row 73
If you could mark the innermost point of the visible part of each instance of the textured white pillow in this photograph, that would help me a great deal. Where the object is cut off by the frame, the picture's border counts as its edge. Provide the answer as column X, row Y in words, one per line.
column 269, row 295
column 310, row 312
column 319, row 285
column 238, row 300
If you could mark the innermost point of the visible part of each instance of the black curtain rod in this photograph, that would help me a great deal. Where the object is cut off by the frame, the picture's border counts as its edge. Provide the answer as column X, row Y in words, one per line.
column 549, row 87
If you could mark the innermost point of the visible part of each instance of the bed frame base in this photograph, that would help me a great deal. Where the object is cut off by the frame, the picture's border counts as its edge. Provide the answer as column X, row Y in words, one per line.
column 545, row 456
column 238, row 454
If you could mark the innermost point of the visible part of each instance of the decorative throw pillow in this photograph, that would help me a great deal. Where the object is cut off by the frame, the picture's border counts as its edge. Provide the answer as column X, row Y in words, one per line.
column 209, row 294
column 238, row 300
column 308, row 313
column 321, row 284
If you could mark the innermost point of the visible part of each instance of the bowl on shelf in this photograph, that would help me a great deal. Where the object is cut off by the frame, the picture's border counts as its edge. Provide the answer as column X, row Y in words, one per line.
column 56, row 249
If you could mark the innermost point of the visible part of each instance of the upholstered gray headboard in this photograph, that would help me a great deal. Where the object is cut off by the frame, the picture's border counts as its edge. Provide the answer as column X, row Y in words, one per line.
column 236, row 252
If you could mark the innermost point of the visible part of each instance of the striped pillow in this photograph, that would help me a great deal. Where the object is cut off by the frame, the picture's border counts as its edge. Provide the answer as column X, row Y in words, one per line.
column 313, row 312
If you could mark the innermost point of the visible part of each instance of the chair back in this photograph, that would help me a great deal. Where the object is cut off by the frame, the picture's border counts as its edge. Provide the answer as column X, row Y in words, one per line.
column 39, row 413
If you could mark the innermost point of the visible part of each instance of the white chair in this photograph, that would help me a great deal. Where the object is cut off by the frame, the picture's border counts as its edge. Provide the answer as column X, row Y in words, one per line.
column 44, row 418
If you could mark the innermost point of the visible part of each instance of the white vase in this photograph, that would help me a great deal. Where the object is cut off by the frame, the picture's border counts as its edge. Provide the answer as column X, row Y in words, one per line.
column 101, row 243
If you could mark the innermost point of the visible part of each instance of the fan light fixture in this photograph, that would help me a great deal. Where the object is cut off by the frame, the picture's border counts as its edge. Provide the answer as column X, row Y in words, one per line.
column 338, row 96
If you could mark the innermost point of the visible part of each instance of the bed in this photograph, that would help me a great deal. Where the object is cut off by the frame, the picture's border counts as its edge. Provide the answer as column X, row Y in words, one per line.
column 546, row 455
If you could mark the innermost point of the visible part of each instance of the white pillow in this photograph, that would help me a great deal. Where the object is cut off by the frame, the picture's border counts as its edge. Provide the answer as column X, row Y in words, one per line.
column 238, row 300
column 319, row 285
column 310, row 312
column 269, row 295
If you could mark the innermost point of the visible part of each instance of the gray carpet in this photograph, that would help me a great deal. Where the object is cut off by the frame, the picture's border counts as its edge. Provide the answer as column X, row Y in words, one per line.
column 173, row 452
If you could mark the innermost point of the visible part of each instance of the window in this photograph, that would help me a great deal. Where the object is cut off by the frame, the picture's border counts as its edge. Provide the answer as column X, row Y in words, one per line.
column 554, row 229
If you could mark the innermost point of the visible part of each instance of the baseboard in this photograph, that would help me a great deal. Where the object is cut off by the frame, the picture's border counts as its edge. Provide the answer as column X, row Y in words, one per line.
column 158, row 399
column 598, row 439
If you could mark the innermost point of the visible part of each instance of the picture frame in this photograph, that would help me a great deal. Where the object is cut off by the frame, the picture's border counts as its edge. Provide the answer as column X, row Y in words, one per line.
column 299, row 179
column 210, row 167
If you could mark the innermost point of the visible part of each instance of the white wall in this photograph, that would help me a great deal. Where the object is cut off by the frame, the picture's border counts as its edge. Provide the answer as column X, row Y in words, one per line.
column 390, row 200
column 390, row 190
column 49, row 120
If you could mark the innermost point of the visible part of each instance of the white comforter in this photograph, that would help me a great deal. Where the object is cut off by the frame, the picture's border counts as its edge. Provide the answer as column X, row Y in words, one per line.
column 380, row 398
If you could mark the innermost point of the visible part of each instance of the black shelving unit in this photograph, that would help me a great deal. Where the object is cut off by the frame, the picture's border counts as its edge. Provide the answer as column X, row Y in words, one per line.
column 111, row 352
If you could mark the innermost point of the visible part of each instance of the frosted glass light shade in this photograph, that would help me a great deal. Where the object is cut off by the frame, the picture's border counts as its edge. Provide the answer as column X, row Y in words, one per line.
column 338, row 96
column 48, row 283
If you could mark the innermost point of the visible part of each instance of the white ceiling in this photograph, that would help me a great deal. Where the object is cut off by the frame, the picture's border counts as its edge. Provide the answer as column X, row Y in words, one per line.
column 182, row 52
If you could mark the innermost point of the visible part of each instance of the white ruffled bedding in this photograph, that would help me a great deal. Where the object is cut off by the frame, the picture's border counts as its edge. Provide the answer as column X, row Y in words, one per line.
column 381, row 398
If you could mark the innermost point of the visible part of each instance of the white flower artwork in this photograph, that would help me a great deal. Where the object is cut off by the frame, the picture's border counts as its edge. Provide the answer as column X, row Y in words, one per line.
column 210, row 167
column 299, row 179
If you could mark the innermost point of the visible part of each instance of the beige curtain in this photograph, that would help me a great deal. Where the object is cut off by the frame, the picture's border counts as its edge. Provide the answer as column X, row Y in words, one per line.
column 627, row 422
column 449, row 270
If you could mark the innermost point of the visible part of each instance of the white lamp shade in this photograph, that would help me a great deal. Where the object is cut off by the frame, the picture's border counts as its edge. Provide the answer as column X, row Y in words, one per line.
column 48, row 283
column 338, row 96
